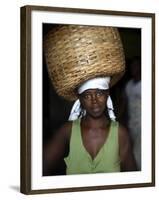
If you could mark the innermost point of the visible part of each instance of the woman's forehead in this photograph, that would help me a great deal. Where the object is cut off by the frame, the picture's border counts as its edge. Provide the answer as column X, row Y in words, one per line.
column 94, row 90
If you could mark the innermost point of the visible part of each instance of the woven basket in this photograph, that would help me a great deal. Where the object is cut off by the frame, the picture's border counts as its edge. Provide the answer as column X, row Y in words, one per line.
column 76, row 53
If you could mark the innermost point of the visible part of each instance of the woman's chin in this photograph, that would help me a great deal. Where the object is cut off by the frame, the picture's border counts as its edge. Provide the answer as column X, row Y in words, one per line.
column 96, row 114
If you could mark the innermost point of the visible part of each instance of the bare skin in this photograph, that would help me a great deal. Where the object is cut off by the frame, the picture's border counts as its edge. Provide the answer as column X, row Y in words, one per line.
column 94, row 130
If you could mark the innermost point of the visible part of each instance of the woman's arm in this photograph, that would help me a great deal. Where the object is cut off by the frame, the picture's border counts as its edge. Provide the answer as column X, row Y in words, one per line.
column 125, row 150
column 55, row 149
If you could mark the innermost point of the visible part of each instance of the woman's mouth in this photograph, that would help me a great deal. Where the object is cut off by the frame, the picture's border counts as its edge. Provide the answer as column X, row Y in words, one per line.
column 95, row 109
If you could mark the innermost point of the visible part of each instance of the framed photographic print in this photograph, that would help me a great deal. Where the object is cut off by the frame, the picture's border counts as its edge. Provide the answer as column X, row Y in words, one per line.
column 54, row 42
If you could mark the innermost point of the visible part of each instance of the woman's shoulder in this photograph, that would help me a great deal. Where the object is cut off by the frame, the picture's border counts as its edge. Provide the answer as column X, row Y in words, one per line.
column 114, row 123
column 122, row 130
column 124, row 136
column 65, row 130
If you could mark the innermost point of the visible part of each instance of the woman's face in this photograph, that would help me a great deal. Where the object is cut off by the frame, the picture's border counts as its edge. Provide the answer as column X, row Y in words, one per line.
column 94, row 101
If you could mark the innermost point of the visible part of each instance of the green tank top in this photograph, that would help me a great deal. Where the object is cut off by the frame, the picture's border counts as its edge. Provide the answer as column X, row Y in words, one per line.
column 79, row 160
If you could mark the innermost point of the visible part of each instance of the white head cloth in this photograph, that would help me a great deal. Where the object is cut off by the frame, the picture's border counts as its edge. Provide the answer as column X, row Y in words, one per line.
column 96, row 83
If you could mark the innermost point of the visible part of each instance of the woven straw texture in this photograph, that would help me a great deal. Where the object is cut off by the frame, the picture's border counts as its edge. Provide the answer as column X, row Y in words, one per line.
column 75, row 54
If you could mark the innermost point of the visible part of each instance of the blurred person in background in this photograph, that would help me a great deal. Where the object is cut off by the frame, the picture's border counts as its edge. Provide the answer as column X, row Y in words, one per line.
column 133, row 94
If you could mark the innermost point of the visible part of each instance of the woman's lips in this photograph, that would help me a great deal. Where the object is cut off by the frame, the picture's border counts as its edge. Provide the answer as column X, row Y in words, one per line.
column 95, row 109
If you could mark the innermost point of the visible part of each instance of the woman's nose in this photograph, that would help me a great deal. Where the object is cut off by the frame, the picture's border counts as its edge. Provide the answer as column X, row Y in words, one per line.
column 94, row 99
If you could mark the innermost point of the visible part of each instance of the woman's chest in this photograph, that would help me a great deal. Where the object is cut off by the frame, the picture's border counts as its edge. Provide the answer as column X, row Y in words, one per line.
column 93, row 140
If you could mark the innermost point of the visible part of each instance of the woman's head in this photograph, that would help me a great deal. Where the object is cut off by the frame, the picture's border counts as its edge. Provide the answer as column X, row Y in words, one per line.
column 93, row 95
column 93, row 101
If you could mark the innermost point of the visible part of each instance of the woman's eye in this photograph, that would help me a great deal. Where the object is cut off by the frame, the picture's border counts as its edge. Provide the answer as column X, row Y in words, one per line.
column 100, row 93
column 86, row 96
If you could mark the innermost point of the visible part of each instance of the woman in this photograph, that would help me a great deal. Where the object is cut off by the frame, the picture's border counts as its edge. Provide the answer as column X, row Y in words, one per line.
column 83, row 63
column 96, row 143
column 133, row 95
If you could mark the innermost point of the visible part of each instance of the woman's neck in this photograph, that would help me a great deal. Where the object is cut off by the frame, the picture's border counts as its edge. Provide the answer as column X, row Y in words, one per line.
column 91, row 122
